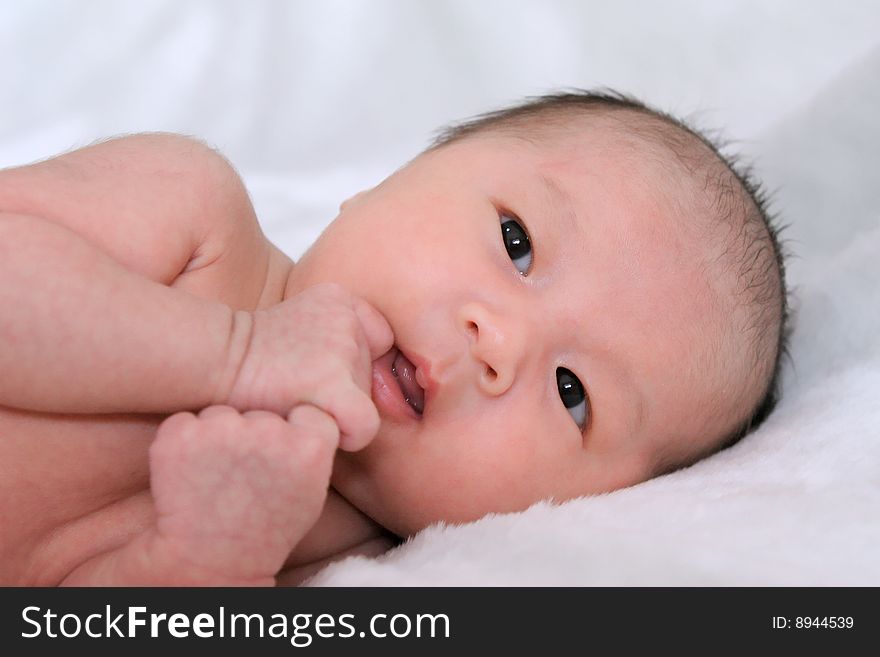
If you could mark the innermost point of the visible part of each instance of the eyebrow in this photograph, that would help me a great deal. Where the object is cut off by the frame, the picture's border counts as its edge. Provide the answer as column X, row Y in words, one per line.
column 559, row 199
column 562, row 202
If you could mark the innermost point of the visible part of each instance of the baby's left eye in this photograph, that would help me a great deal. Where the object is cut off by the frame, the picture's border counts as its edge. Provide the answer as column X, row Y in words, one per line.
column 517, row 243
column 574, row 398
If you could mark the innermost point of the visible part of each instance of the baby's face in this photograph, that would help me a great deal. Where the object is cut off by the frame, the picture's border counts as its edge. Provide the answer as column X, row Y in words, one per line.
column 614, row 295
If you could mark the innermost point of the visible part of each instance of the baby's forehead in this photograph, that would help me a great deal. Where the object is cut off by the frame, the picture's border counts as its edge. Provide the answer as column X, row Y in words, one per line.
column 628, row 180
column 593, row 150
column 597, row 167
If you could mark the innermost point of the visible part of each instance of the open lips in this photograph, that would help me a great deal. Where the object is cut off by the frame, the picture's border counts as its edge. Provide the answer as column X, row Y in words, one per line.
column 405, row 373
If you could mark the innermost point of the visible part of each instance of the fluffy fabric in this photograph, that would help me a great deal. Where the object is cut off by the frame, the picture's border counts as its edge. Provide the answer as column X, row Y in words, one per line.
column 315, row 101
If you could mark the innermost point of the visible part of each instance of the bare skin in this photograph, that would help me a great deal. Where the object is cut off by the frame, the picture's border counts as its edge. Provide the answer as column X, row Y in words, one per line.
column 76, row 473
column 616, row 288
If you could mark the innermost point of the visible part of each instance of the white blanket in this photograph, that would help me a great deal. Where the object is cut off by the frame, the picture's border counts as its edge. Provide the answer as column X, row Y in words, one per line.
column 314, row 101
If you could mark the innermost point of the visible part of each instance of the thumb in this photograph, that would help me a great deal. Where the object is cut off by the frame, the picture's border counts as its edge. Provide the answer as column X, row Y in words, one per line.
column 377, row 330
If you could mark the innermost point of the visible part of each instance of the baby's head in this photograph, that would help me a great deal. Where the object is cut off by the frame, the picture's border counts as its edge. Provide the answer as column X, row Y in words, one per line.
column 598, row 295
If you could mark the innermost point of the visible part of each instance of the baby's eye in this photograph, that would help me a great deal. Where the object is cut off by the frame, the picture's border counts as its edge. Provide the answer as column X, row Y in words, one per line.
column 516, row 241
column 573, row 396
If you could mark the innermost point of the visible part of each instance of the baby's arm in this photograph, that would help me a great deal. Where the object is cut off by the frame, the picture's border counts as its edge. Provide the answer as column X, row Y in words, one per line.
column 89, row 244
column 234, row 494
column 82, row 334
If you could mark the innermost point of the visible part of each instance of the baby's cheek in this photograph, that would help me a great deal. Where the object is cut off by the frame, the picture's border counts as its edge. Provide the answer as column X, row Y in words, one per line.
column 484, row 480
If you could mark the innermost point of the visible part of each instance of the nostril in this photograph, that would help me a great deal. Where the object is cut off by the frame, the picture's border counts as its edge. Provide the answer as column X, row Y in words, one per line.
column 473, row 329
column 491, row 374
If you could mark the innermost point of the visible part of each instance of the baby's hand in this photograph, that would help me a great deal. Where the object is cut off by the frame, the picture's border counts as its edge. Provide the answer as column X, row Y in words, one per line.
column 317, row 348
column 234, row 493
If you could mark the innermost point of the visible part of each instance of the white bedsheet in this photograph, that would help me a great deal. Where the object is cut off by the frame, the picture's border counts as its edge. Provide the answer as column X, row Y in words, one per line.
column 314, row 101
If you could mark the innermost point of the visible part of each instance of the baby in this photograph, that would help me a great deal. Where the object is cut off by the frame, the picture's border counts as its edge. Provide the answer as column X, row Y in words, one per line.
column 565, row 297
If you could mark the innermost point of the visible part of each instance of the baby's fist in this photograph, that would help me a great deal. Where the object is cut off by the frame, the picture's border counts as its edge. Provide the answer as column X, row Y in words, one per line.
column 316, row 347
column 235, row 493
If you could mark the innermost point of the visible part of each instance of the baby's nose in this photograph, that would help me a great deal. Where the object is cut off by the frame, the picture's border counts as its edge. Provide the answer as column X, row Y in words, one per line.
column 496, row 344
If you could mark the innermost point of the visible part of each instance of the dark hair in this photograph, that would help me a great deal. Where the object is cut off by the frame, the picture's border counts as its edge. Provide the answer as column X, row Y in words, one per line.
column 737, row 194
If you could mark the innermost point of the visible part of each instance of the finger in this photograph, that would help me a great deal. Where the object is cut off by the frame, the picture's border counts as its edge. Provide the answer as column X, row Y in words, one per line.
column 354, row 412
column 375, row 339
column 311, row 419
column 216, row 411
column 361, row 369
column 259, row 415
column 376, row 328
column 309, row 416
column 177, row 421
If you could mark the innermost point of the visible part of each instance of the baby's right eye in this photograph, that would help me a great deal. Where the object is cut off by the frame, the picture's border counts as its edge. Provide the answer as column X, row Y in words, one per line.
column 517, row 243
column 574, row 398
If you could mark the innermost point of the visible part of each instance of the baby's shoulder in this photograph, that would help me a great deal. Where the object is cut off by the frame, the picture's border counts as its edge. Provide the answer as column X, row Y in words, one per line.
column 234, row 262
column 192, row 179
column 163, row 205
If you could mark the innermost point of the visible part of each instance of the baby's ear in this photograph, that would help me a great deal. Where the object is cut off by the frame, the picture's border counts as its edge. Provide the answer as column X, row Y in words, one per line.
column 352, row 200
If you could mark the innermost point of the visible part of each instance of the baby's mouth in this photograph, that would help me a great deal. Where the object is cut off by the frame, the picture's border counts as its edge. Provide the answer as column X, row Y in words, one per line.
column 405, row 374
